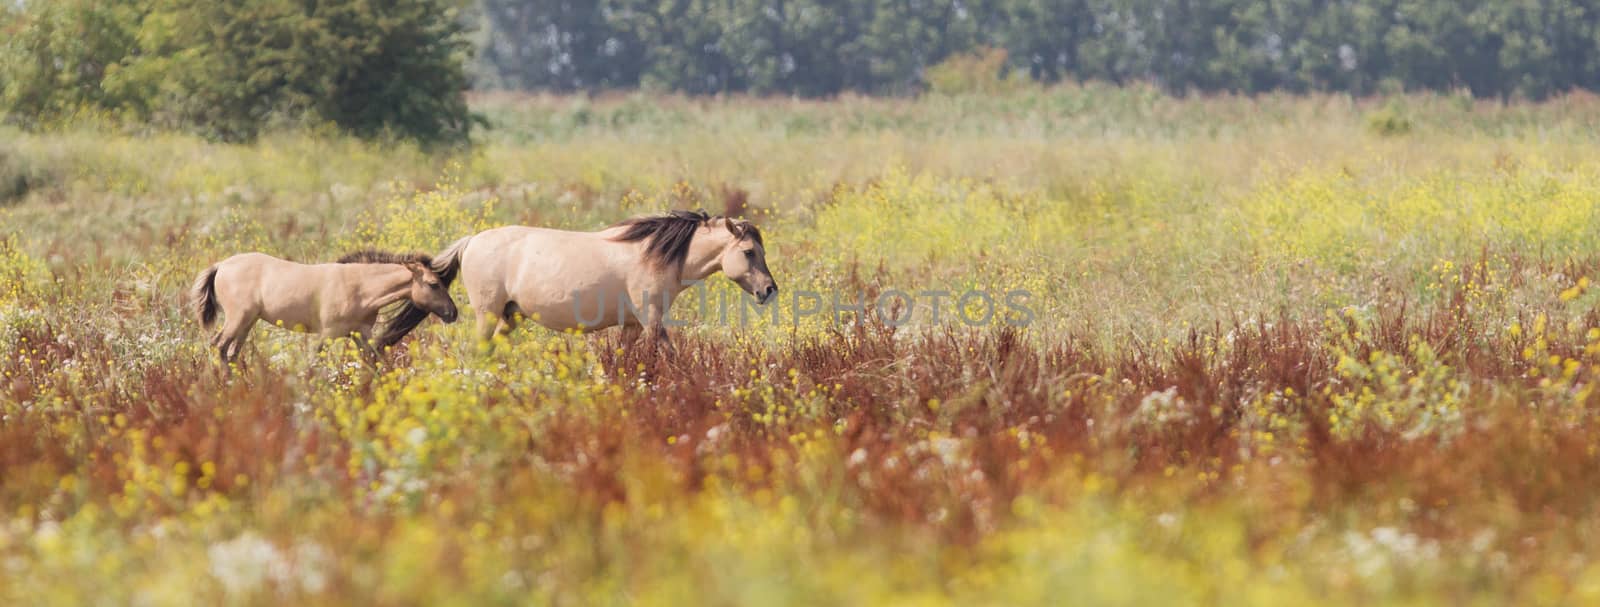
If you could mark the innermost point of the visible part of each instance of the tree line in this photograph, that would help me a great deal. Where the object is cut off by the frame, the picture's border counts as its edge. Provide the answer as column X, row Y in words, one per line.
column 1526, row 48
column 373, row 68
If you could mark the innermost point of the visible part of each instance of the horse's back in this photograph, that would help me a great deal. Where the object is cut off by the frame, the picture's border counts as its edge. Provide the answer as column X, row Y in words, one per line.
column 508, row 236
column 278, row 290
column 545, row 272
column 247, row 270
column 257, row 266
column 252, row 258
column 511, row 250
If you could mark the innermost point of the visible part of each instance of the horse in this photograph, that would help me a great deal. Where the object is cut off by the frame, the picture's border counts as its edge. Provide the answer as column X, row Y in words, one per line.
column 333, row 300
column 626, row 274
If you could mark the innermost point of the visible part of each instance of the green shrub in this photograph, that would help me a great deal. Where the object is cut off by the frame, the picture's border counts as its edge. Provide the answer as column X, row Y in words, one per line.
column 19, row 175
column 982, row 71
column 229, row 70
column 1389, row 121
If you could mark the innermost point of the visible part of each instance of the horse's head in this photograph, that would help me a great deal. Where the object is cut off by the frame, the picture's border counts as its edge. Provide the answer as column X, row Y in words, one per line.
column 430, row 293
column 732, row 246
column 744, row 260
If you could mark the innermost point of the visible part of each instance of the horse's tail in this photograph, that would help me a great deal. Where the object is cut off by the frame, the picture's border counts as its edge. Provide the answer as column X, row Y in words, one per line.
column 203, row 295
column 447, row 264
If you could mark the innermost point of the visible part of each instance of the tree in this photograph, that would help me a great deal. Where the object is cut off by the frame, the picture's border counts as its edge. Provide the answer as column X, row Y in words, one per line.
column 372, row 68
column 561, row 45
column 230, row 69
column 1046, row 37
column 58, row 58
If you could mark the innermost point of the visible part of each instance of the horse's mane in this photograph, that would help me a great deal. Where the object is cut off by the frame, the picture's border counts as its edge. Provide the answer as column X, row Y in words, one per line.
column 406, row 313
column 669, row 235
column 375, row 256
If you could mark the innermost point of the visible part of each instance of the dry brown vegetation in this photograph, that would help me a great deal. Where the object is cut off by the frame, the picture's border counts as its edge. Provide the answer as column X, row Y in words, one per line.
column 1362, row 374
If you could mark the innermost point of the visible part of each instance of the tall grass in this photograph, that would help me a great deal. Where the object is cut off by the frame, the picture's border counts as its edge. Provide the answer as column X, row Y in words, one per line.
column 1277, row 357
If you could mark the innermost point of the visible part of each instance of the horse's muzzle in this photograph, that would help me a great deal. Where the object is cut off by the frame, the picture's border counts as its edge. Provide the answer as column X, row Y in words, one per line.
column 768, row 295
column 449, row 317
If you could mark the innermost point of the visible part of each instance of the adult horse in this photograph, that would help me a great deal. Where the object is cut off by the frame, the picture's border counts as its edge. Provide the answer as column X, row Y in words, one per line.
column 331, row 299
column 627, row 274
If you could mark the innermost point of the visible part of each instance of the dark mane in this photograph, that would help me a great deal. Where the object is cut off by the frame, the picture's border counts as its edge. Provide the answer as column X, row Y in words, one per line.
column 373, row 256
column 668, row 236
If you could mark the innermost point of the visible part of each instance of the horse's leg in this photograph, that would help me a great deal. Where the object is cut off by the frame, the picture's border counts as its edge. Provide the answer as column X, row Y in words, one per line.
column 630, row 334
column 368, row 353
column 222, row 341
column 653, row 343
column 509, row 317
column 363, row 339
column 630, row 343
column 487, row 322
column 219, row 340
column 655, row 330
column 233, row 336
column 495, row 318
column 326, row 338
column 336, row 332
column 236, row 346
column 220, row 344
column 660, row 342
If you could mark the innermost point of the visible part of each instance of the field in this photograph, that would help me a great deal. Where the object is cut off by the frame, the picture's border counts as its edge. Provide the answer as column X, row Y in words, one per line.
column 1283, row 350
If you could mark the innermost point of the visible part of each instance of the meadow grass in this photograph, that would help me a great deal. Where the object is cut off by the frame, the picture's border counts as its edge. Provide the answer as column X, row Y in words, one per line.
column 1277, row 355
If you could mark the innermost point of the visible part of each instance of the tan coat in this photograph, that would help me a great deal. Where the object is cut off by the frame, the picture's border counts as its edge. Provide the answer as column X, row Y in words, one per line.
column 333, row 300
column 627, row 274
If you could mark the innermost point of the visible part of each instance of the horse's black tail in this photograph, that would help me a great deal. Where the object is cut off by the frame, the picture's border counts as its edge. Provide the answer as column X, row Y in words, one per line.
column 203, row 295
column 447, row 264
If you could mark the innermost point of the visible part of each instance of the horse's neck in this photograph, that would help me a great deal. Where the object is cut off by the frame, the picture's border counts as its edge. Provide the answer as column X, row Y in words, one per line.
column 384, row 285
column 705, row 255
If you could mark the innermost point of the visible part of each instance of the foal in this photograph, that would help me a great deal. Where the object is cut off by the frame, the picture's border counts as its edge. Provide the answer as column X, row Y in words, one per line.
column 330, row 299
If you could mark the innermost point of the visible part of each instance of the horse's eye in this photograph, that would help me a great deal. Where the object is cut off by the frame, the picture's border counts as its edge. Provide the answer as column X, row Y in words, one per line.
column 750, row 253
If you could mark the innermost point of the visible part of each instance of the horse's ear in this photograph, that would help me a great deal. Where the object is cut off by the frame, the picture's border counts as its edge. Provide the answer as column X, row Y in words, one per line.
column 736, row 227
column 417, row 269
